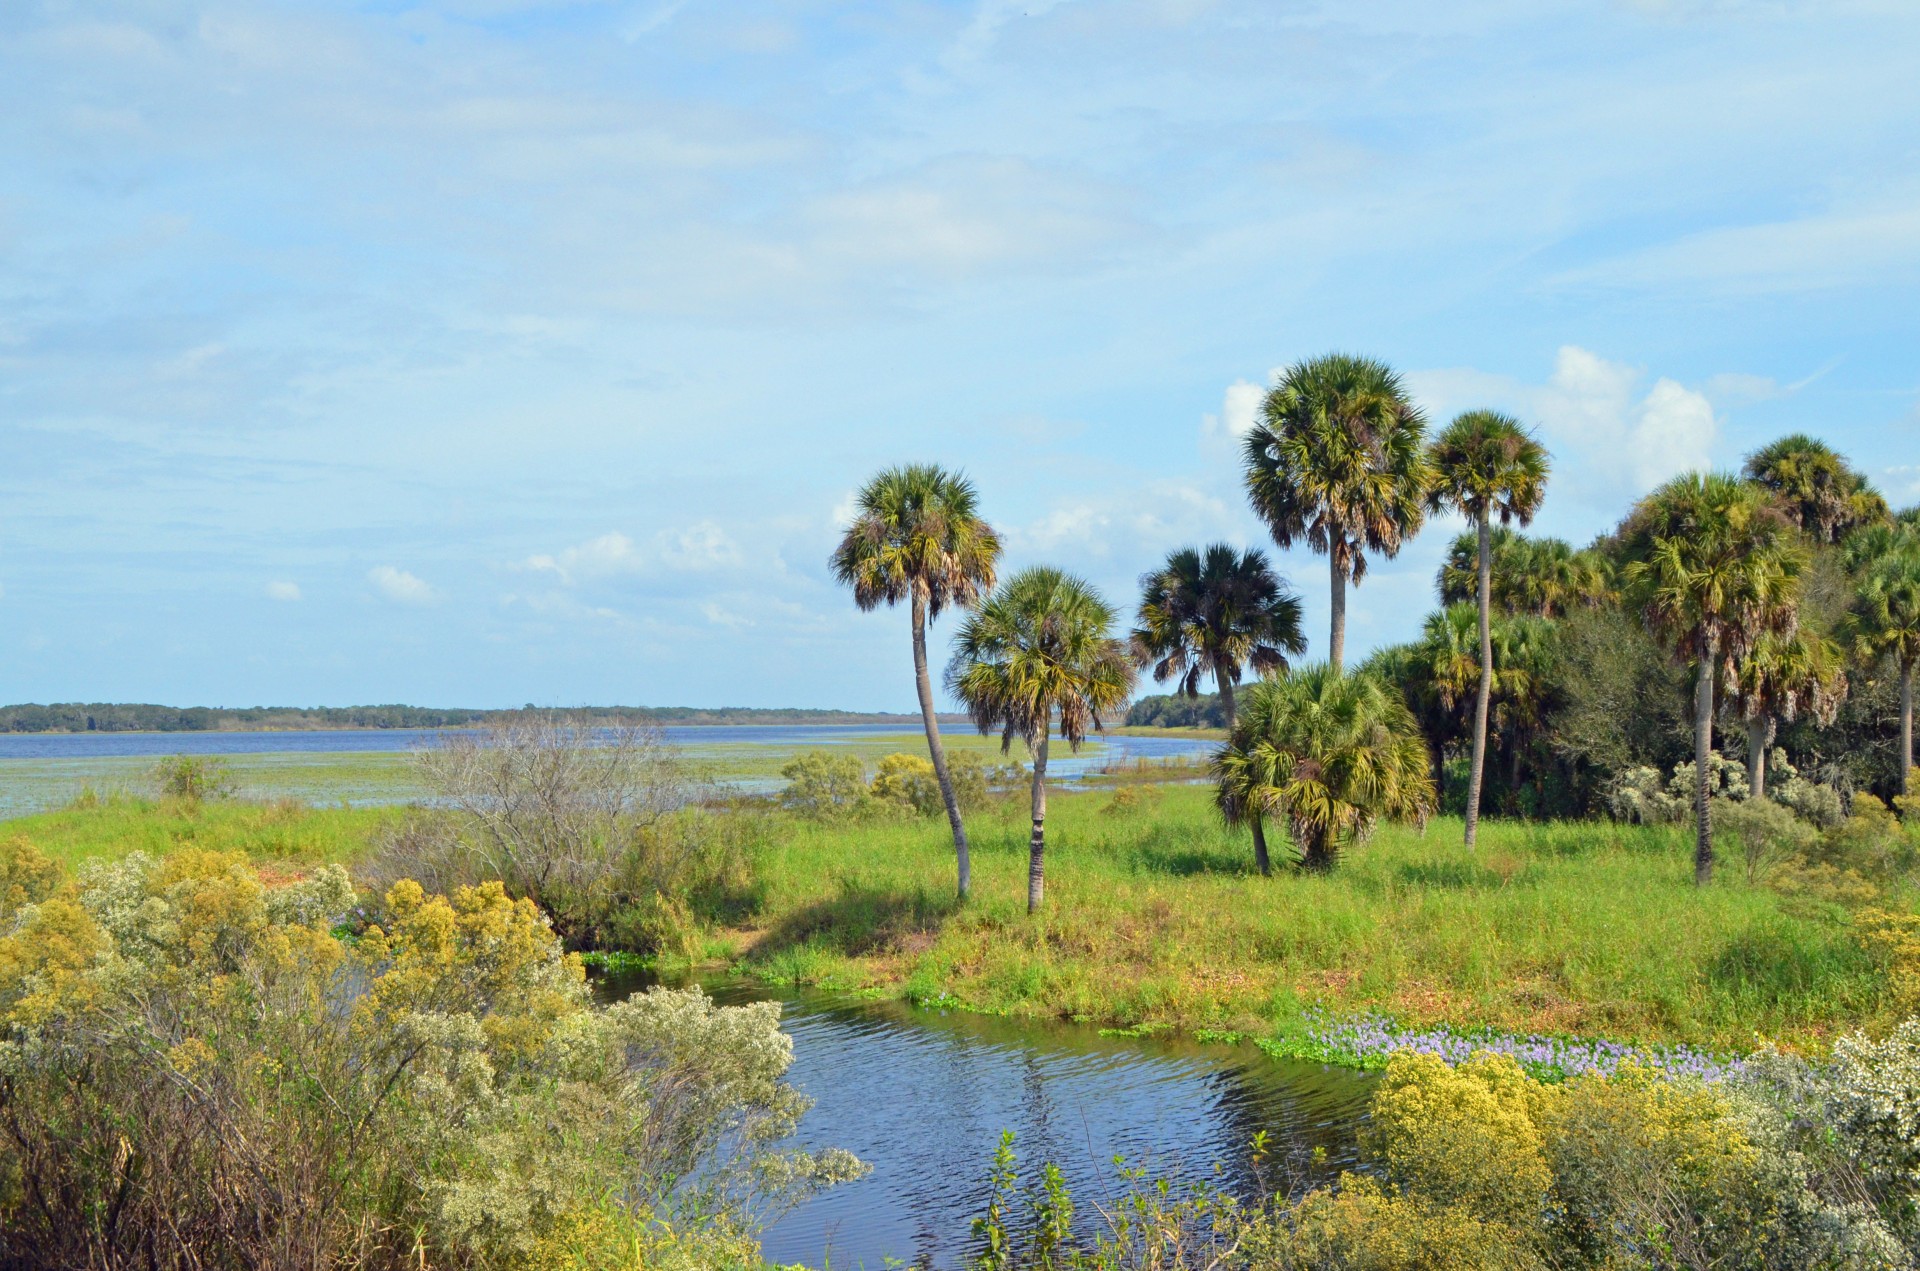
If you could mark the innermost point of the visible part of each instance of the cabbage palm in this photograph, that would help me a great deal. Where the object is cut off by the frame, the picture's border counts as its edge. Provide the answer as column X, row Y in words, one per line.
column 1780, row 678
column 1325, row 754
column 1486, row 466
column 1713, row 563
column 918, row 536
column 1212, row 611
column 1545, row 577
column 1337, row 459
column 1818, row 488
column 1885, row 622
column 1039, row 647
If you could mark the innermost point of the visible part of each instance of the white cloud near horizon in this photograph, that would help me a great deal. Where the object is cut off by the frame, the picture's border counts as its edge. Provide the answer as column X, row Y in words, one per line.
column 284, row 591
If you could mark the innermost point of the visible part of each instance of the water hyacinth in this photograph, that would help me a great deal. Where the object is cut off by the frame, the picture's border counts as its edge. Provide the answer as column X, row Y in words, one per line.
column 1367, row 1041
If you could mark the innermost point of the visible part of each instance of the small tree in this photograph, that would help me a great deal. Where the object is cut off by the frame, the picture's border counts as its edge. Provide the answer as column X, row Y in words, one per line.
column 1040, row 647
column 1325, row 754
column 1885, row 622
column 193, row 778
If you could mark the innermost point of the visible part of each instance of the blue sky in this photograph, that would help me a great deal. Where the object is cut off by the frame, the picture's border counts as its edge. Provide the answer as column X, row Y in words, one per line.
column 491, row 351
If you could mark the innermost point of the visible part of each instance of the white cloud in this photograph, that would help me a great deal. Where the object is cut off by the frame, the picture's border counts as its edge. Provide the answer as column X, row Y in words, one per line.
column 283, row 591
column 611, row 553
column 720, row 616
column 400, row 586
column 702, row 545
column 1239, row 412
column 1832, row 249
column 1673, row 432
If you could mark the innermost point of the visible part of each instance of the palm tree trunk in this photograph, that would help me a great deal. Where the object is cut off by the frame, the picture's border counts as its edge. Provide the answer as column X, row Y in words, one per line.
column 1477, row 773
column 1337, row 636
column 1906, row 727
column 1261, row 860
column 934, row 746
column 1225, row 681
column 1037, row 845
column 1757, row 729
column 1703, row 768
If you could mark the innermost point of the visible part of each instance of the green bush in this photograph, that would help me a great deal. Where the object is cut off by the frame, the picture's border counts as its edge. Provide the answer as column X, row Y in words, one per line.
column 193, row 778
column 196, row 1072
column 826, row 786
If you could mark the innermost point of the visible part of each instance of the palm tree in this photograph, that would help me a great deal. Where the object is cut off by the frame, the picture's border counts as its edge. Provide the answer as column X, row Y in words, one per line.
column 918, row 536
column 1038, row 647
column 1818, row 488
column 1486, row 465
column 1545, row 577
column 1712, row 562
column 1211, row 611
column 1885, row 622
column 1325, row 754
column 1780, row 678
column 1337, row 459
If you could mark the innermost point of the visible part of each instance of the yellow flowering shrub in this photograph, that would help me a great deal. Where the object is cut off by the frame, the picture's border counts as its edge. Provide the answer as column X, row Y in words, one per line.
column 1465, row 1136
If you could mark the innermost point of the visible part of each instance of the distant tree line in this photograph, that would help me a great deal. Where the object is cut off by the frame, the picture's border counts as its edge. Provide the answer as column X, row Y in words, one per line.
column 1176, row 710
column 143, row 717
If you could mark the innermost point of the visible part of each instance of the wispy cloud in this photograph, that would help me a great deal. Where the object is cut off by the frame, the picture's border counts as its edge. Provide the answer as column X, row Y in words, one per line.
column 283, row 591
column 400, row 586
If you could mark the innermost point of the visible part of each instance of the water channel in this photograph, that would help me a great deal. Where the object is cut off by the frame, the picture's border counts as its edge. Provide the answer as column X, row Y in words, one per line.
column 923, row 1095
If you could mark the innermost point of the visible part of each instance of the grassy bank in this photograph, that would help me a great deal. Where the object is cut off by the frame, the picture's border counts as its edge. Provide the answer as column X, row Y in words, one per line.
column 1156, row 921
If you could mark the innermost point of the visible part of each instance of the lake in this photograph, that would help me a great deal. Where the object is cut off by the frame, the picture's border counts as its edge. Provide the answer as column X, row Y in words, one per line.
column 44, row 770
column 923, row 1095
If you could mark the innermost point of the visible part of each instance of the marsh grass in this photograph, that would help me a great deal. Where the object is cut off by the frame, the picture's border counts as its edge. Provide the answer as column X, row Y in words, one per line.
column 283, row 830
column 1155, row 917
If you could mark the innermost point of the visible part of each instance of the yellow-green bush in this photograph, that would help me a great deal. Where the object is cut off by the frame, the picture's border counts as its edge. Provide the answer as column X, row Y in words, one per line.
column 1465, row 1137
column 196, row 1071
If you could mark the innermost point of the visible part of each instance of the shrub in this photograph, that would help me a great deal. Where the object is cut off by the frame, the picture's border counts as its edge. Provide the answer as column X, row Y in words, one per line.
column 1464, row 1136
column 196, row 1072
column 193, row 778
column 1638, row 795
column 589, row 823
column 823, row 785
column 908, row 783
column 1767, row 832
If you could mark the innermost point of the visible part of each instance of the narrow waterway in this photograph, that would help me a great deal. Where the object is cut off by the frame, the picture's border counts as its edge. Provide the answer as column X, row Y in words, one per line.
column 923, row 1096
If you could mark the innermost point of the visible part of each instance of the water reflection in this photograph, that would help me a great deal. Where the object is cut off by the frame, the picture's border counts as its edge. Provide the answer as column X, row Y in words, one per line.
column 923, row 1096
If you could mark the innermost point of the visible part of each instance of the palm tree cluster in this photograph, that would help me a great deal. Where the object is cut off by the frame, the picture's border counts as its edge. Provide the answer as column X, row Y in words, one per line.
column 1776, row 592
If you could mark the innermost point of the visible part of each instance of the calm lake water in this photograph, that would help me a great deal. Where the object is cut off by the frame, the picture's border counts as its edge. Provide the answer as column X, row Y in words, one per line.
column 923, row 1096
column 368, row 766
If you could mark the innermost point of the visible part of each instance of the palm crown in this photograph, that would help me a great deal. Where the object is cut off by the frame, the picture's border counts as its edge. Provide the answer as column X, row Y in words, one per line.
column 1818, row 489
column 917, row 530
column 1337, row 459
column 1209, row 612
column 1488, row 467
column 1037, row 647
column 1546, row 577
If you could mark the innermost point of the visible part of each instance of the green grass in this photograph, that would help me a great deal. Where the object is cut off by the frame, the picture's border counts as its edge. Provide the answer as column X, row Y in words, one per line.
column 285, row 832
column 1154, row 918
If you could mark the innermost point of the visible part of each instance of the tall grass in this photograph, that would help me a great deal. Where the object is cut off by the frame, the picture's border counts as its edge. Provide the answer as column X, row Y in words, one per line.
column 284, row 830
column 1155, row 918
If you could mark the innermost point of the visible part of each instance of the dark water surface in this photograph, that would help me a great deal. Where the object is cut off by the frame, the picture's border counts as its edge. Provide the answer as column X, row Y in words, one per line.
column 922, row 1096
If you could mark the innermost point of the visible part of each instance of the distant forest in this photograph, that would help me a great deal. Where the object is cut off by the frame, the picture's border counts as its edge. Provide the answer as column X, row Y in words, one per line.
column 141, row 717
column 1173, row 710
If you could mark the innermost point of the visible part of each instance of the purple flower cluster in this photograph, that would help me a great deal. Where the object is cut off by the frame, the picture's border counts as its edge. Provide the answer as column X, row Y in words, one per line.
column 1367, row 1041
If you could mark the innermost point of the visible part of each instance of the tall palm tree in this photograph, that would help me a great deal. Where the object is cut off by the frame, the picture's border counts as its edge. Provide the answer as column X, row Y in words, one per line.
column 1885, row 622
column 1781, row 678
column 1325, row 754
column 918, row 536
column 1713, row 564
column 1040, row 647
column 1486, row 465
column 1818, row 488
column 1337, row 459
column 1211, row 611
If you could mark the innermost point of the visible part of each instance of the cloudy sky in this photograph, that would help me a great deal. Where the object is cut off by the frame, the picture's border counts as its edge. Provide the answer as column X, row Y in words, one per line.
column 490, row 351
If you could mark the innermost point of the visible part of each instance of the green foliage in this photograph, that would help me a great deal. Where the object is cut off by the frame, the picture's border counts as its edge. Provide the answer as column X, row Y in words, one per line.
column 823, row 785
column 917, row 534
column 1767, row 832
column 199, row 1074
column 1820, row 491
column 907, row 783
column 193, row 778
column 1328, row 756
column 1544, row 577
column 1207, row 613
column 1173, row 710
